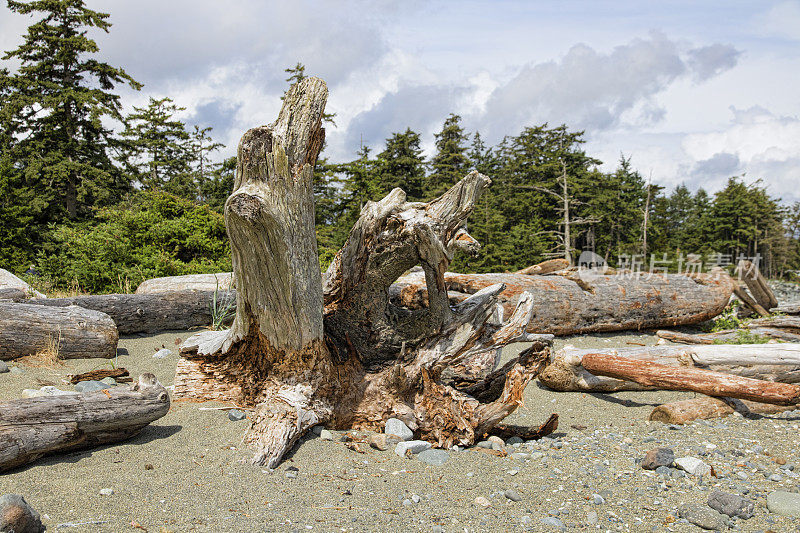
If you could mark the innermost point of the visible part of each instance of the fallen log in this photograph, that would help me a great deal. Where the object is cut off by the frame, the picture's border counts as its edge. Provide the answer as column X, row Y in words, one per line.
column 148, row 313
column 545, row 267
column 748, row 301
column 97, row 375
column 758, row 286
column 13, row 294
column 707, row 407
column 691, row 379
column 787, row 309
column 589, row 303
column 64, row 332
column 222, row 281
column 34, row 427
column 792, row 323
column 719, row 337
column 565, row 372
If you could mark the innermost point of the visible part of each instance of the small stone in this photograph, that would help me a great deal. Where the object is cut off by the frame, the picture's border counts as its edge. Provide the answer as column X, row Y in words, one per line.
column 702, row 516
column 484, row 444
column 776, row 478
column 658, row 457
column 693, row 465
column 106, row 492
column 163, row 353
column 494, row 439
column 514, row 440
column 552, row 521
column 122, row 351
column 16, row 370
column 483, row 502
column 513, row 472
column 16, row 515
column 407, row 502
column 512, row 495
column 235, row 415
column 784, row 503
column 592, row 518
column 664, row 471
column 780, row 460
column 598, row 500
column 395, row 426
column 413, row 446
column 148, row 466
column 520, row 456
column 3, row 367
column 742, row 475
column 316, row 430
column 433, row 457
column 415, row 498
column 109, row 381
column 731, row 504
column 291, row 472
column 90, row 386
column 382, row 441
column 325, row 435
column 535, row 456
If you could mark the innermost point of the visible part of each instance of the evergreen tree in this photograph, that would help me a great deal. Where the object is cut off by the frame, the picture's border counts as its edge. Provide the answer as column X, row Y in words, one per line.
column 61, row 96
column 202, row 145
column 401, row 164
column 450, row 163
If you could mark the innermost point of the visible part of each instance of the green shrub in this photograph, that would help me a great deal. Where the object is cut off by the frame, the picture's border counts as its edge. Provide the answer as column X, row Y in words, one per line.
column 149, row 234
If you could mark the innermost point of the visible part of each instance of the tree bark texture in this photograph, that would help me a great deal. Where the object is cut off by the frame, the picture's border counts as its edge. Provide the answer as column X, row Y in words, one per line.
column 34, row 427
column 574, row 303
column 757, row 284
column 149, row 313
column 707, row 407
column 304, row 351
column 75, row 332
column 221, row 281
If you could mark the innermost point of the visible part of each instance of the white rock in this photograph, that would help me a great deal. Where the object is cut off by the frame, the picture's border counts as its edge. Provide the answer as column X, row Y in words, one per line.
column 106, row 492
column 395, row 426
column 415, row 446
column 162, row 353
column 693, row 465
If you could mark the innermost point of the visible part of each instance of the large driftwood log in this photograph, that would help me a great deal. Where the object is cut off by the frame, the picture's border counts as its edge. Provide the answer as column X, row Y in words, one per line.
column 706, row 407
column 148, row 313
column 220, row 281
column 576, row 303
column 706, row 382
column 71, row 332
column 790, row 323
column 787, row 309
column 545, row 267
column 720, row 337
column 749, row 302
column 757, row 284
column 10, row 281
column 34, row 427
column 359, row 359
column 769, row 362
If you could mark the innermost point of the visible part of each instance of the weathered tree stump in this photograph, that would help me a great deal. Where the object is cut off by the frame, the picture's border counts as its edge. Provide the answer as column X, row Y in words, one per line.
column 71, row 332
column 345, row 355
column 34, row 427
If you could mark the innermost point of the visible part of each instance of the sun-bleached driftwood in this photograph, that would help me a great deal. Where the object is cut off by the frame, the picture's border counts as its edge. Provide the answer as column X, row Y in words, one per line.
column 221, row 281
column 757, row 284
column 33, row 427
column 119, row 374
column 787, row 309
column 10, row 281
column 790, row 323
column 303, row 351
column 13, row 294
column 748, row 301
column 72, row 332
column 707, row 407
column 585, row 303
column 149, row 313
column 769, row 362
column 545, row 267
column 691, row 379
column 720, row 337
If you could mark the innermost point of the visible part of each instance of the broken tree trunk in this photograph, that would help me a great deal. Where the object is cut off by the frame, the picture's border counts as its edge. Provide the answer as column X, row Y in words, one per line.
column 70, row 332
column 787, row 309
column 545, row 267
column 34, row 427
column 148, row 313
column 221, row 281
column 705, row 382
column 586, row 302
column 359, row 359
column 757, row 284
column 718, row 337
column 707, row 407
column 740, row 293
column 769, row 362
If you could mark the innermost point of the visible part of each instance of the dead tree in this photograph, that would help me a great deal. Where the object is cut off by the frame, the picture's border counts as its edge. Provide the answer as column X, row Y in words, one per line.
column 345, row 355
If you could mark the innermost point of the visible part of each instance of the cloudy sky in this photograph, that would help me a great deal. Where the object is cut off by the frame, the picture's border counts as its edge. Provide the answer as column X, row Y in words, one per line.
column 694, row 92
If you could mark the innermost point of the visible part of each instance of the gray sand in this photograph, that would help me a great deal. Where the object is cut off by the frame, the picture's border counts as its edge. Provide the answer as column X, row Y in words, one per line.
column 202, row 479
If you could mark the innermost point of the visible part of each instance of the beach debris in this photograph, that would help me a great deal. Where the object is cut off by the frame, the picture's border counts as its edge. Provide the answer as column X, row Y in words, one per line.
column 163, row 353
column 99, row 374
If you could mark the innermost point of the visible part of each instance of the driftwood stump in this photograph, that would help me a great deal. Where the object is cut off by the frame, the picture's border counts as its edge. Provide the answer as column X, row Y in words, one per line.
column 345, row 355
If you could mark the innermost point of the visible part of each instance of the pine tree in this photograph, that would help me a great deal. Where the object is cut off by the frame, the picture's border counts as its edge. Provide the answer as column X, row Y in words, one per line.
column 61, row 96
column 450, row 163
column 401, row 164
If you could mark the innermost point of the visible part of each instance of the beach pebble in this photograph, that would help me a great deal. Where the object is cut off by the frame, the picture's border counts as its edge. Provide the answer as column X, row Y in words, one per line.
column 520, row 456
column 658, row 457
column 3, row 367
column 16, row 370
column 512, row 495
column 776, row 478
column 482, row 501
column 592, row 518
column 234, row 415
column 395, row 426
column 514, row 440
column 16, row 515
column 316, row 430
column 598, row 500
column 106, row 492
column 702, row 516
column 325, row 435
column 693, row 465
column 433, row 457
column 731, row 504
column 291, row 472
column 162, row 353
column 122, row 351
column 784, row 503
column 414, row 446
column 382, row 441
column 90, row 386
column 553, row 522
column 109, row 381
